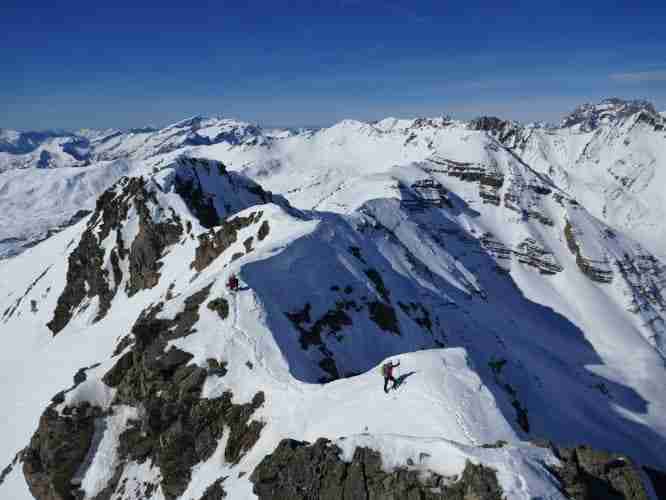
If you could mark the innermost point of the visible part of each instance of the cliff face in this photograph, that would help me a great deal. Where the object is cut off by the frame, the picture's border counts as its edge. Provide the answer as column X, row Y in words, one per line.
column 300, row 470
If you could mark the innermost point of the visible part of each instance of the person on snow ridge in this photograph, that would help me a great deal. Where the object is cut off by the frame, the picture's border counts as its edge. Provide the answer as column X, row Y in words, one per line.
column 232, row 284
column 387, row 371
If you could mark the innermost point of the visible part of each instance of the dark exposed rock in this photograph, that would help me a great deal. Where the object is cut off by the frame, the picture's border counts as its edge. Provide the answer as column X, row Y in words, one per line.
column 264, row 229
column 487, row 123
column 528, row 252
column 424, row 193
column 148, row 247
column 299, row 470
column 590, row 116
column 213, row 243
column 125, row 342
column 376, row 279
column 331, row 321
column 589, row 474
column 328, row 365
column 8, row 470
column 178, row 434
column 216, row 367
column 215, row 491
column 57, row 450
column 489, row 178
column 356, row 252
column 497, row 444
column 419, row 313
column 384, row 316
column 220, row 306
column 248, row 244
column 531, row 253
column 178, row 429
column 201, row 205
column 85, row 272
column 593, row 270
column 521, row 415
column 87, row 275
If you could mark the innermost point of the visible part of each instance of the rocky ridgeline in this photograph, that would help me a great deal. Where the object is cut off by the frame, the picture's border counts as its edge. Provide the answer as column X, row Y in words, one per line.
column 586, row 118
column 174, row 427
column 299, row 470
column 108, row 245
column 589, row 117
column 171, row 426
column 509, row 133
column 88, row 273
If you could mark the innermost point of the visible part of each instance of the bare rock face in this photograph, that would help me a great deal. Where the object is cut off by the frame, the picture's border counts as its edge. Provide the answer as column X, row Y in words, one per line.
column 588, row 474
column 596, row 271
column 88, row 272
column 589, row 117
column 213, row 243
column 178, row 429
column 148, row 246
column 299, row 470
column 507, row 132
column 57, row 450
column 175, row 427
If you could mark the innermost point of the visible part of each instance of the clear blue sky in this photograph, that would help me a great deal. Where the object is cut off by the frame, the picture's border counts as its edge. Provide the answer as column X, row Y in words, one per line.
column 72, row 63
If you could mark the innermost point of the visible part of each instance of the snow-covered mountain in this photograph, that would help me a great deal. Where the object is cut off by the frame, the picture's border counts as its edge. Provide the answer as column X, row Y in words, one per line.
column 612, row 158
column 527, row 321
column 46, row 178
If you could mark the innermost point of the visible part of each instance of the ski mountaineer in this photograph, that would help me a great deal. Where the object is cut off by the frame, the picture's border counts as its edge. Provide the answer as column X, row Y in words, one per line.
column 387, row 371
column 232, row 284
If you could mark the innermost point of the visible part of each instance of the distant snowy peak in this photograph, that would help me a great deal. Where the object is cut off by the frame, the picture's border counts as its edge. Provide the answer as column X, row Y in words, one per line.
column 402, row 125
column 589, row 117
column 94, row 134
column 17, row 142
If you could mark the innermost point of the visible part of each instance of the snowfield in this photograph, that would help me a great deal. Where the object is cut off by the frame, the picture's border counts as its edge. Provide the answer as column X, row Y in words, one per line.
column 520, row 299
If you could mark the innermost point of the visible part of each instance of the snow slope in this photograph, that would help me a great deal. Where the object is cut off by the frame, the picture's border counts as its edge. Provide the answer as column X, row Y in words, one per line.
column 499, row 263
column 612, row 160
column 493, row 287
column 608, row 156
column 36, row 202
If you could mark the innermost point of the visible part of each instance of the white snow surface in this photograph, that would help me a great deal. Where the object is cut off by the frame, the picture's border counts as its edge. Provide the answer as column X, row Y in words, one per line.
column 478, row 334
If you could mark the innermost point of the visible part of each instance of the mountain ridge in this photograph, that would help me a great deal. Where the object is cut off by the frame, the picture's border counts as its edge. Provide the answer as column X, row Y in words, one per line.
column 451, row 249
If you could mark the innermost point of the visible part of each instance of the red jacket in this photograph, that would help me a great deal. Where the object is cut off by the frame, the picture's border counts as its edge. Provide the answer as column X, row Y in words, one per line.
column 388, row 369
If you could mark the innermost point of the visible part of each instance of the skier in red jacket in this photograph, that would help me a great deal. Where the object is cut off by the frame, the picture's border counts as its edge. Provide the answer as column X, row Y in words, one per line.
column 387, row 371
column 232, row 284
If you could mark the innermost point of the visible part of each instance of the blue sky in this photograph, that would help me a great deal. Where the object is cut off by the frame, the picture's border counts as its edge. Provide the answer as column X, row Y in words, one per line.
column 72, row 64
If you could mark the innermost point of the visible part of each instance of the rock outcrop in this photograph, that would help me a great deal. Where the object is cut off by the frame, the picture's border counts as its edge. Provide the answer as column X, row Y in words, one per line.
column 299, row 470
column 57, row 450
column 589, row 474
column 88, row 273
